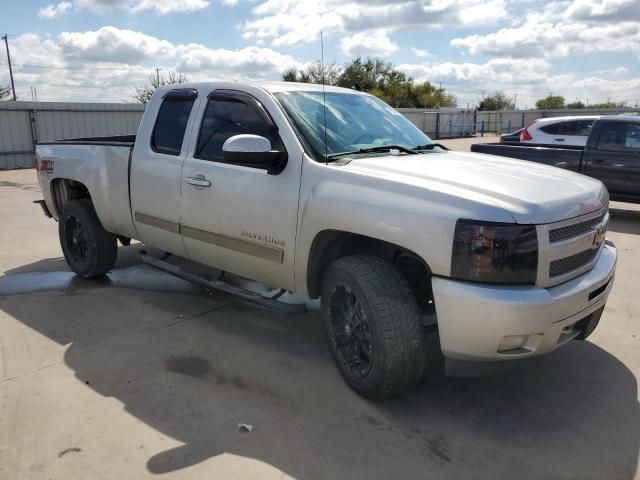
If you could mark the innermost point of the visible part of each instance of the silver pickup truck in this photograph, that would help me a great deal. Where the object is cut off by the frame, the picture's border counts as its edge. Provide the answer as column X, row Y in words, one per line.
column 334, row 194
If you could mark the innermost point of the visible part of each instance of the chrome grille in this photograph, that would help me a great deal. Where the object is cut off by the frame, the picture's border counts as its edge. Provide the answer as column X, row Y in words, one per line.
column 570, row 231
column 573, row 262
column 571, row 247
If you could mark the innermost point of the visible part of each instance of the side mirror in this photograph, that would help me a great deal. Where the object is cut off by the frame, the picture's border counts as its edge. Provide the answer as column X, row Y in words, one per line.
column 254, row 151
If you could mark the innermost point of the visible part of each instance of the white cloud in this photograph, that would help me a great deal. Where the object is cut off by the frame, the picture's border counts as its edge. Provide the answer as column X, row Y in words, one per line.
column 529, row 79
column 168, row 6
column 418, row 52
column 290, row 22
column 370, row 43
column 603, row 10
column 55, row 9
column 134, row 6
column 562, row 28
column 113, row 44
column 106, row 64
column 554, row 40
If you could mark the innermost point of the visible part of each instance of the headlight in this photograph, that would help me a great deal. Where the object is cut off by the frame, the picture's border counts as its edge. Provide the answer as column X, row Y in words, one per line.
column 494, row 252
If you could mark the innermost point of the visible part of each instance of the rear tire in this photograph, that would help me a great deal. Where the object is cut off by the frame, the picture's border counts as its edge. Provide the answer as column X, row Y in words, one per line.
column 90, row 251
column 372, row 321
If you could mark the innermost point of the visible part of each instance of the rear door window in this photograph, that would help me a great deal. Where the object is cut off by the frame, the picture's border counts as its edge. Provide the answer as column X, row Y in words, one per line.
column 552, row 129
column 171, row 122
column 578, row 128
column 620, row 137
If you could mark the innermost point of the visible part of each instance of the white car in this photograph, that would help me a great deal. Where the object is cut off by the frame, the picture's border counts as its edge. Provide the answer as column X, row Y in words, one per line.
column 400, row 238
column 559, row 131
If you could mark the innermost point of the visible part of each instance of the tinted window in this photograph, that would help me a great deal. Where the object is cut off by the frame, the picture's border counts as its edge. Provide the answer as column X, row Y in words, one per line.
column 620, row 136
column 226, row 117
column 578, row 128
column 171, row 124
column 551, row 129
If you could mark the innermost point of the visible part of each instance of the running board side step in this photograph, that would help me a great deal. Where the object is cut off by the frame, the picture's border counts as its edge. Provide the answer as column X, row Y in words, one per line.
column 247, row 295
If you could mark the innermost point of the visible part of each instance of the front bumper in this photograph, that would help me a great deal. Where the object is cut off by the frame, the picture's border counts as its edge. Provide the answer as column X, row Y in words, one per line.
column 474, row 318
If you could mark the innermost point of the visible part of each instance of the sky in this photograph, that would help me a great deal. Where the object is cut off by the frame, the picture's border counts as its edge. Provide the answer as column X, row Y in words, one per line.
column 100, row 50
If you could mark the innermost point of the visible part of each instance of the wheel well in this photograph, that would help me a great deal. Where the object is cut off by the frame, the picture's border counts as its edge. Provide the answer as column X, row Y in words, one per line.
column 332, row 244
column 63, row 190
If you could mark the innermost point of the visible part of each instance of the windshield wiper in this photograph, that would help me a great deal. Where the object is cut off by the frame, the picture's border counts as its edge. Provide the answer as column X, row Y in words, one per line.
column 430, row 146
column 381, row 148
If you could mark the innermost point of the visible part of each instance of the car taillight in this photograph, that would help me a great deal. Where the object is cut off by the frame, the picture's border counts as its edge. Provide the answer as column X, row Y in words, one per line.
column 525, row 136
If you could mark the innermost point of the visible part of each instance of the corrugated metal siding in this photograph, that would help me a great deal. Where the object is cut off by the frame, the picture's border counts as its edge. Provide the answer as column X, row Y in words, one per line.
column 58, row 120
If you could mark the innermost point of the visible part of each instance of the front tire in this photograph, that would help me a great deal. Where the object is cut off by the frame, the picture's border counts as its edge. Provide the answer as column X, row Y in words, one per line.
column 372, row 321
column 90, row 251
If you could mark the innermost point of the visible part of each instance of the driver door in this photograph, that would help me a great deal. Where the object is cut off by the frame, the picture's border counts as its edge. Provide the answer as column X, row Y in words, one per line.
column 236, row 217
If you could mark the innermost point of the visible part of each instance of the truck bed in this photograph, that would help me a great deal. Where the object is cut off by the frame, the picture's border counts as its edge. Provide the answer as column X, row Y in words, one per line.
column 567, row 157
column 102, row 165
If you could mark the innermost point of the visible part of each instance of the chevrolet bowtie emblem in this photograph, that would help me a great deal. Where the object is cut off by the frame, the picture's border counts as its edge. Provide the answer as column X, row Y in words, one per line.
column 599, row 236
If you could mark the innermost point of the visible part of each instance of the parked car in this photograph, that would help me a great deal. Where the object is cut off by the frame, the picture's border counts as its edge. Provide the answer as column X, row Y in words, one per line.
column 402, row 240
column 611, row 155
column 558, row 131
column 511, row 137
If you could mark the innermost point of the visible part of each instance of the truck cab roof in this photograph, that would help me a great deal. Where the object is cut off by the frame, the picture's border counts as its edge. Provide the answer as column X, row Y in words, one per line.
column 271, row 87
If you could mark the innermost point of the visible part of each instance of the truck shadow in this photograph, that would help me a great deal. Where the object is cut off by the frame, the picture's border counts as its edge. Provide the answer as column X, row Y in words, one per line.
column 624, row 220
column 192, row 366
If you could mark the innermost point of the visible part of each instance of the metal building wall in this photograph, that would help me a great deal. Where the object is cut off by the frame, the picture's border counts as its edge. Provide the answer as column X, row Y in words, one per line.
column 23, row 124
column 460, row 122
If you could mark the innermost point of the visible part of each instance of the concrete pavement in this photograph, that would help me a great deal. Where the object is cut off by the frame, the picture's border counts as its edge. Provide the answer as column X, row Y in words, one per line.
column 141, row 375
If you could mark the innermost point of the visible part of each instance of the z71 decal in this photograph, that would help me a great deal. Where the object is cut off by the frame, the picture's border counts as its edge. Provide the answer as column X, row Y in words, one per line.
column 46, row 166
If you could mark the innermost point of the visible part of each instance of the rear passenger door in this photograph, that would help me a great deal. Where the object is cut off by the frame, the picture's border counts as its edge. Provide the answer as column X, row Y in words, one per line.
column 574, row 132
column 615, row 160
column 571, row 132
column 156, row 168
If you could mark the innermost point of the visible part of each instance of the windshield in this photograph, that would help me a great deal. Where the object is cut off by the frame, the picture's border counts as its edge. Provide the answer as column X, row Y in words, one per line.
column 354, row 122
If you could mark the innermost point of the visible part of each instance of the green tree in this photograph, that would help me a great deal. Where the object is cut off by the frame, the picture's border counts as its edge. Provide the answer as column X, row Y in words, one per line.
column 550, row 102
column 377, row 77
column 144, row 92
column 366, row 75
column 314, row 73
column 428, row 95
column 4, row 92
column 497, row 101
column 608, row 104
column 575, row 105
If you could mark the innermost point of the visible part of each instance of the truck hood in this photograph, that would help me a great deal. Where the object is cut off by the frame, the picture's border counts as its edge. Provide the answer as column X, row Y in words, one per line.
column 531, row 193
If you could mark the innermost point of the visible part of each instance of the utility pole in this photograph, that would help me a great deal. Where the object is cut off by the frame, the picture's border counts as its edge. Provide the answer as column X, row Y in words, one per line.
column 13, row 86
column 515, row 101
column 158, row 76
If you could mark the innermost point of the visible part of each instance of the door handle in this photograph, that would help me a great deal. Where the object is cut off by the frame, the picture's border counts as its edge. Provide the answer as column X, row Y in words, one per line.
column 198, row 181
column 598, row 160
column 558, row 139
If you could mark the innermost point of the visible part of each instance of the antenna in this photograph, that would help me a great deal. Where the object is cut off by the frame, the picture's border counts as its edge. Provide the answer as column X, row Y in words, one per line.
column 324, row 99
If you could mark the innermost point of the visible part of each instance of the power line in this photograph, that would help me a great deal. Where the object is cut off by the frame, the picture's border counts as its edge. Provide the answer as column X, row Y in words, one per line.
column 73, row 67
